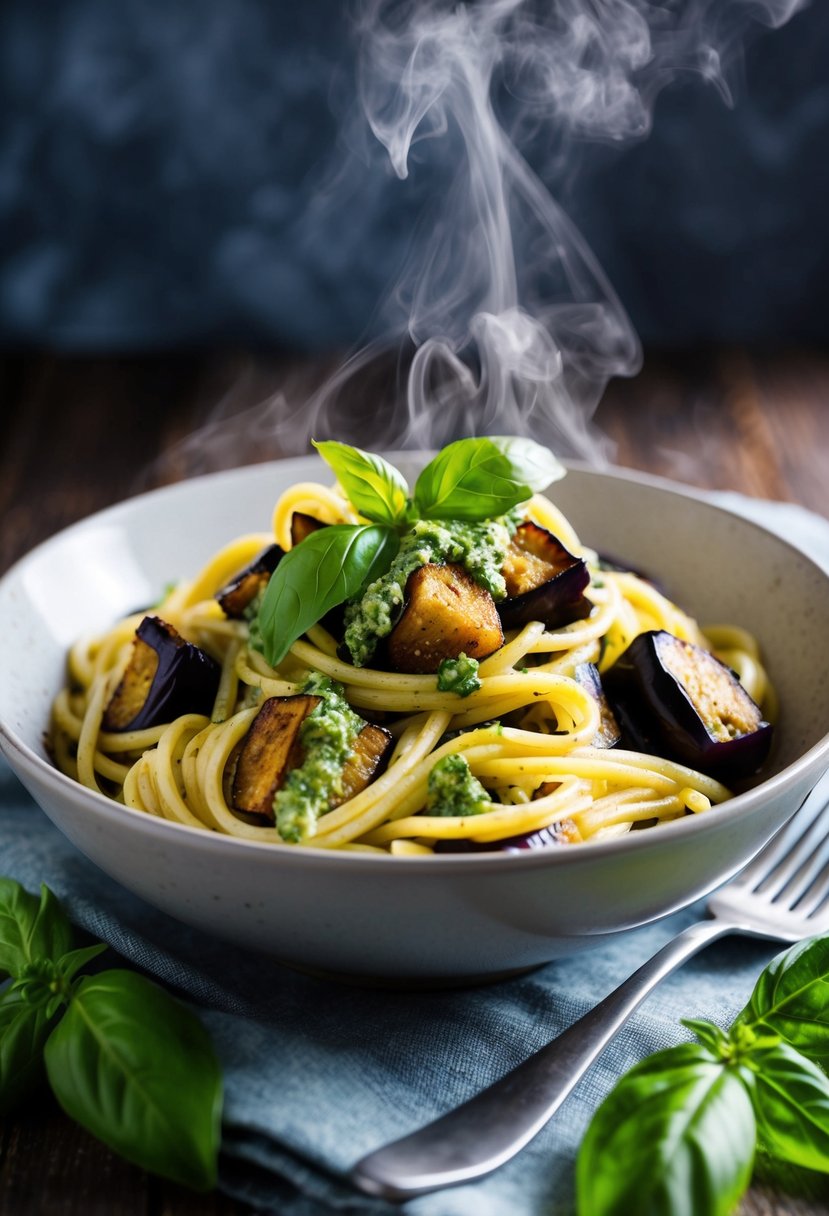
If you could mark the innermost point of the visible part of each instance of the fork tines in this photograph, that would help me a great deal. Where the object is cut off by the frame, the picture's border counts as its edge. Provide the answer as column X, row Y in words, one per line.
column 789, row 871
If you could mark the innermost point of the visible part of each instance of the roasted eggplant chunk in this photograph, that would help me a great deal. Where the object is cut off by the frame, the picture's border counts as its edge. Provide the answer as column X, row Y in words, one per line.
column 165, row 677
column 608, row 734
column 638, row 726
column 303, row 525
column 235, row 597
column 273, row 746
column 676, row 698
column 369, row 756
column 446, row 613
column 544, row 581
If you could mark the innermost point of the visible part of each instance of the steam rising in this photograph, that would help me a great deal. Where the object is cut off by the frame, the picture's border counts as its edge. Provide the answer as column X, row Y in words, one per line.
column 502, row 318
column 509, row 337
column 515, row 329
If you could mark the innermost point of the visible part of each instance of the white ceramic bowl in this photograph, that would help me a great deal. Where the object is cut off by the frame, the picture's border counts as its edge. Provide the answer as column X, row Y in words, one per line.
column 449, row 917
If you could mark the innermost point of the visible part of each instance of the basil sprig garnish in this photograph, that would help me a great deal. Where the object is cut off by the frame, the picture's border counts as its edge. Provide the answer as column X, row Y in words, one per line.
column 530, row 461
column 125, row 1059
column 327, row 568
column 470, row 480
column 374, row 487
column 475, row 479
column 678, row 1133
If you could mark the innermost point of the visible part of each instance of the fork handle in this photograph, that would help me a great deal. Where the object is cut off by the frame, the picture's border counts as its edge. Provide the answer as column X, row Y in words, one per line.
column 484, row 1132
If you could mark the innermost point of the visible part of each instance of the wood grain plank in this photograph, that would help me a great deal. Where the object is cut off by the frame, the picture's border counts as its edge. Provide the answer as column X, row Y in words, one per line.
column 793, row 389
column 671, row 420
column 758, row 424
column 50, row 1165
column 758, row 457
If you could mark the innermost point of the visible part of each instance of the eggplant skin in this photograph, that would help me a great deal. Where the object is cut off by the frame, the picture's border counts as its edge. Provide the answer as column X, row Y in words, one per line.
column 545, row 582
column 370, row 754
column 555, row 836
column 303, row 525
column 608, row 561
column 243, row 589
column 609, row 732
column 165, row 677
column 674, row 698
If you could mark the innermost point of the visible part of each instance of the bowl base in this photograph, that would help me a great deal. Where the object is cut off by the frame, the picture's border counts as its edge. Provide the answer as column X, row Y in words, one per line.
column 411, row 983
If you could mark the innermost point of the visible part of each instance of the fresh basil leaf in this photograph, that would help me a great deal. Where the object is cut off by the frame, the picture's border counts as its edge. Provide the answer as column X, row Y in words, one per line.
column 24, row 1029
column 41, row 985
column 471, row 479
column 708, row 1033
column 676, row 1135
column 531, row 463
column 70, row 964
column 327, row 568
column 791, row 998
column 791, row 1105
column 137, row 1069
column 374, row 487
column 30, row 928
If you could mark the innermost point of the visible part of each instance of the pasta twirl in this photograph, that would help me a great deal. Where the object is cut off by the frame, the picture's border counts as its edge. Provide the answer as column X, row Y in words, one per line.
column 519, row 731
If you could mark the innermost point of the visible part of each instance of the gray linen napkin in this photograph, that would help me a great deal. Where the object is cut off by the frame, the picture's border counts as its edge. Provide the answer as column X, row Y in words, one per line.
column 318, row 1074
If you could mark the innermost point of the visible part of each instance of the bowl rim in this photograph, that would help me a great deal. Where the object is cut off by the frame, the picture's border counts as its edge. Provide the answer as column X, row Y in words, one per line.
column 23, row 758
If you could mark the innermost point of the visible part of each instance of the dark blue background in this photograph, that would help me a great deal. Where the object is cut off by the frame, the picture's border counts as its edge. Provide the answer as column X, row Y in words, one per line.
column 161, row 165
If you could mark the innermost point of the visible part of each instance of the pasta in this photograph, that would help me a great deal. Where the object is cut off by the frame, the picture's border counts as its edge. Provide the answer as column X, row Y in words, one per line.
column 527, row 735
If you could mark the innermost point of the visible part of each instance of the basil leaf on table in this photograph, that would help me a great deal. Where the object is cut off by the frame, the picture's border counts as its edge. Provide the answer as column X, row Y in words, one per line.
column 31, row 928
column 70, row 964
column 791, row 1105
column 676, row 1135
column 708, row 1033
column 471, row 479
column 137, row 1070
column 791, row 998
column 373, row 486
column 327, row 568
column 24, row 1029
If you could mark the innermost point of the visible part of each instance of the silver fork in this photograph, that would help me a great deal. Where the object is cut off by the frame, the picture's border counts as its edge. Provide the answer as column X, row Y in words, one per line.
column 783, row 894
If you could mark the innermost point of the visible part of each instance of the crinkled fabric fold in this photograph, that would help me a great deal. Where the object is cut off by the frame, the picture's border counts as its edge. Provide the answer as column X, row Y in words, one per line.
column 317, row 1074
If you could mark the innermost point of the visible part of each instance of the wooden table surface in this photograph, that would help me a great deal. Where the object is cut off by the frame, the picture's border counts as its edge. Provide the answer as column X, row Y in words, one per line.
column 81, row 433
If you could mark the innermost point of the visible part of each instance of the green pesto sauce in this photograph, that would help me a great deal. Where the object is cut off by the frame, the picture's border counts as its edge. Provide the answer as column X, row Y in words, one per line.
column 459, row 675
column 452, row 790
column 327, row 736
column 251, row 615
column 479, row 547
